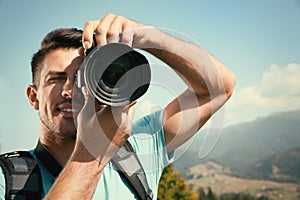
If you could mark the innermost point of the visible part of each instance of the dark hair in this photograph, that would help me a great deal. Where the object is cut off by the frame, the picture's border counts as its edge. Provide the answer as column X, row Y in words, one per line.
column 63, row 38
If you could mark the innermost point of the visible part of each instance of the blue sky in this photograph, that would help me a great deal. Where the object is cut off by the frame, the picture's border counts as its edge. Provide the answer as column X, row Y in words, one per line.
column 258, row 40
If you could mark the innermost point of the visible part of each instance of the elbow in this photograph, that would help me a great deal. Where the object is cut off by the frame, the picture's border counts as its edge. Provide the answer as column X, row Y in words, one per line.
column 229, row 85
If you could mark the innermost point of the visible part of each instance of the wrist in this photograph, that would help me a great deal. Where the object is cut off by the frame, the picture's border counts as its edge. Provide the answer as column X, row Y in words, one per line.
column 81, row 154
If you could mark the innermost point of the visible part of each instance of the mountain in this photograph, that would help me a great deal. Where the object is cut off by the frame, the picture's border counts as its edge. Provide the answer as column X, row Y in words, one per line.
column 254, row 149
column 224, row 184
column 283, row 166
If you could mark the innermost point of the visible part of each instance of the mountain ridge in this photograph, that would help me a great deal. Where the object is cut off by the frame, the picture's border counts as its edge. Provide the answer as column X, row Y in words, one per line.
column 248, row 147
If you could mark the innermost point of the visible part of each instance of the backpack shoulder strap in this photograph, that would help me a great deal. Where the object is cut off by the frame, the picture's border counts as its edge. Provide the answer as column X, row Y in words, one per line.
column 22, row 176
column 126, row 161
column 47, row 160
column 130, row 168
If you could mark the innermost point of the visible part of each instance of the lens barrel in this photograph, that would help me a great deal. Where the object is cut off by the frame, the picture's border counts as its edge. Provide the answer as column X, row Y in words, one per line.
column 115, row 74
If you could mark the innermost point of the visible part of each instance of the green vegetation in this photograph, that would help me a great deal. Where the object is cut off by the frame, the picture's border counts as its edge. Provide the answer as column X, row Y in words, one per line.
column 173, row 187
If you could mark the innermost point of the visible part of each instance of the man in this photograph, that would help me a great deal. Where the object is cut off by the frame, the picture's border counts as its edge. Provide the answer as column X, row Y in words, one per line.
column 83, row 136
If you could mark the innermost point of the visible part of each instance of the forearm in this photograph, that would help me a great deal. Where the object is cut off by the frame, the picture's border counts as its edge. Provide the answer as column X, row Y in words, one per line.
column 203, row 73
column 210, row 84
column 79, row 177
column 98, row 139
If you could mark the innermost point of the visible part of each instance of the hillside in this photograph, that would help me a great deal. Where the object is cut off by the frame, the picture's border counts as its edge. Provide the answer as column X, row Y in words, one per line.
column 283, row 166
column 256, row 150
column 219, row 179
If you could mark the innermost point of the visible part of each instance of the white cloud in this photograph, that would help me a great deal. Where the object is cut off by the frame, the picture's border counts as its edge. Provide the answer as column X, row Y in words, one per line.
column 278, row 90
column 281, row 81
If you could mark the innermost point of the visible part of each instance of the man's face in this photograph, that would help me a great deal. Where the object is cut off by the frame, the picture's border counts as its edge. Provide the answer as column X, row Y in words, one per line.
column 58, row 100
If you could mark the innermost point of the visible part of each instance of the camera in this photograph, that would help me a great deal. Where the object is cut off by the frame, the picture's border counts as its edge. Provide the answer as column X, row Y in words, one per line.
column 115, row 74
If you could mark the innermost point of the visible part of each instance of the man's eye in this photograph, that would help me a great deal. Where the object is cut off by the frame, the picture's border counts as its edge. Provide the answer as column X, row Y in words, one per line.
column 56, row 78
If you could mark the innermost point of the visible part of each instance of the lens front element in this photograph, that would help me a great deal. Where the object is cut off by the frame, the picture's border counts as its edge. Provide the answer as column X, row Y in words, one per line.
column 116, row 74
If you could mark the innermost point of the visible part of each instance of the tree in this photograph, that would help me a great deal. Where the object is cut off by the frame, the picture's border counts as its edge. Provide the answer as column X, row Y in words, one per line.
column 202, row 194
column 173, row 187
column 241, row 196
column 211, row 195
column 206, row 195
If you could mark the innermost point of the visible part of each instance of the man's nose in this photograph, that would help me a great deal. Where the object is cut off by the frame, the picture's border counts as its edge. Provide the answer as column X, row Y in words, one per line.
column 70, row 90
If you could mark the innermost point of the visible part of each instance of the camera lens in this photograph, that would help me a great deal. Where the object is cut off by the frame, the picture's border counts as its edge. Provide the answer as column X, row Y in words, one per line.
column 116, row 74
column 113, row 74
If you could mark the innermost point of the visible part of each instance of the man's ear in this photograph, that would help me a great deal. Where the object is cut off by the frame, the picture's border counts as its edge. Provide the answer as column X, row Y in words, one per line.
column 31, row 93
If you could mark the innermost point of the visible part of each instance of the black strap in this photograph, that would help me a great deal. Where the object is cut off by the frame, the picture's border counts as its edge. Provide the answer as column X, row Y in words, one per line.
column 47, row 160
column 130, row 168
column 125, row 160
column 22, row 176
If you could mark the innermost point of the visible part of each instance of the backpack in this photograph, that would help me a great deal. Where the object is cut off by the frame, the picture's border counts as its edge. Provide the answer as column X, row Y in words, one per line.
column 22, row 176
column 24, row 181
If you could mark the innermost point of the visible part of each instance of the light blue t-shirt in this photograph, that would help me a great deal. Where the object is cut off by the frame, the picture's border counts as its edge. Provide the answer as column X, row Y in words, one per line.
column 147, row 140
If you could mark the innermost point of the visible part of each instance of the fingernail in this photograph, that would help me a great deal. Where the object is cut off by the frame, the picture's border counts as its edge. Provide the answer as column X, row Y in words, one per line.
column 86, row 44
column 84, row 90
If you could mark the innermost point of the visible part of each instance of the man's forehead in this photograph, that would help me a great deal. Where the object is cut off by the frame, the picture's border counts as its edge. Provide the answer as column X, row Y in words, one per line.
column 62, row 61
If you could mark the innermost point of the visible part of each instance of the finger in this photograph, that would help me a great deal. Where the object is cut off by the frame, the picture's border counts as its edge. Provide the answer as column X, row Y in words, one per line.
column 102, row 29
column 130, row 104
column 127, row 38
column 89, row 105
column 117, row 111
column 131, row 113
column 126, row 121
column 130, row 29
column 88, row 31
column 86, row 93
column 115, row 29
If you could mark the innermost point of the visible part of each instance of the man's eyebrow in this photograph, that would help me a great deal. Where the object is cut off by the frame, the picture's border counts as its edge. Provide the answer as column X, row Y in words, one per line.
column 51, row 73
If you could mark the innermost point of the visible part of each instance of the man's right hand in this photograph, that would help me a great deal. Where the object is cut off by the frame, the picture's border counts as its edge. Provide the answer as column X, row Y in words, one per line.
column 101, row 131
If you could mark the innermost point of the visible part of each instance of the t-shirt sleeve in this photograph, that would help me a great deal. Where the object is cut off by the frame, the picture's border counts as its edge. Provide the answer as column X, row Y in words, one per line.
column 149, row 142
column 2, row 185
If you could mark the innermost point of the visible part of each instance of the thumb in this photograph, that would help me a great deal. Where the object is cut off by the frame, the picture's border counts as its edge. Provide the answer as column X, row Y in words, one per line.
column 89, row 104
column 131, row 113
column 129, row 109
column 127, row 119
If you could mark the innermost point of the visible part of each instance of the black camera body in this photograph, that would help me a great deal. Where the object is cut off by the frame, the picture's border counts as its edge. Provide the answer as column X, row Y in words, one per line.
column 115, row 74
